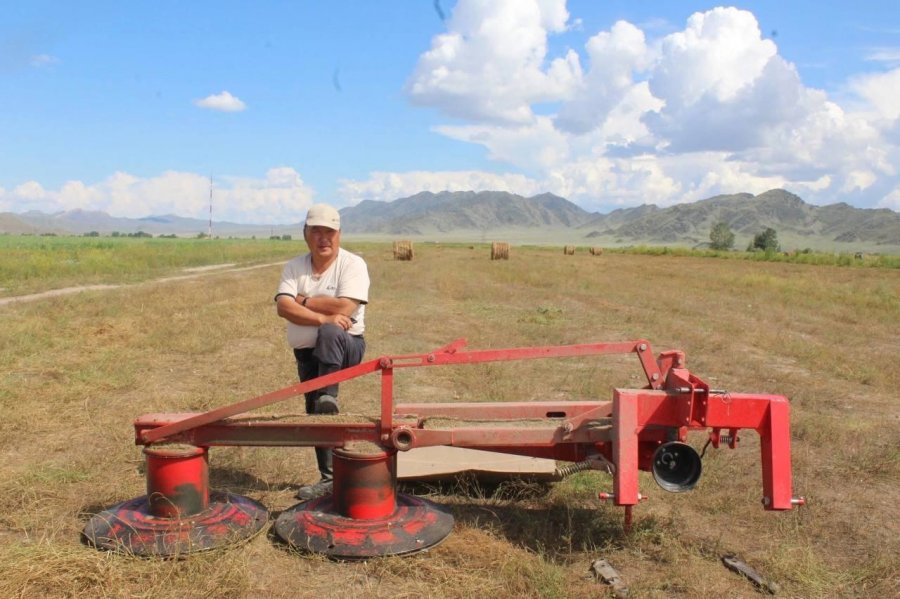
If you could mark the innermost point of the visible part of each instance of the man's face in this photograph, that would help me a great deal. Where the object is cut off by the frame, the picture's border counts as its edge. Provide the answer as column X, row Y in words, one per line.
column 323, row 242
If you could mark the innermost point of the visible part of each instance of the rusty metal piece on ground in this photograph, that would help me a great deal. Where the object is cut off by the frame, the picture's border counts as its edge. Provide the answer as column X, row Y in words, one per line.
column 735, row 564
column 603, row 571
column 131, row 527
column 178, row 515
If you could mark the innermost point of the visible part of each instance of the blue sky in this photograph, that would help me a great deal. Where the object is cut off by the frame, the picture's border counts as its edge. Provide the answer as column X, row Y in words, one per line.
column 130, row 107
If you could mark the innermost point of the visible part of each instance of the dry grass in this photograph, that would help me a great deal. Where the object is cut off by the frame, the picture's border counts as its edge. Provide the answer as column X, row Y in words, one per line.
column 77, row 370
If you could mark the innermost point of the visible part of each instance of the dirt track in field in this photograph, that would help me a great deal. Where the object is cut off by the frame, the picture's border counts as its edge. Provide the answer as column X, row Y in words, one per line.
column 192, row 274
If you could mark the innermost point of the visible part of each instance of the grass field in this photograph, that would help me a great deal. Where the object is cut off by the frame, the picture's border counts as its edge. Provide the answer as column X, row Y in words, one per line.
column 31, row 264
column 77, row 369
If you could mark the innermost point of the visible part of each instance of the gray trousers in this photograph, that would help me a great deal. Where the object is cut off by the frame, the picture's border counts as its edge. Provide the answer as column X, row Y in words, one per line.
column 335, row 350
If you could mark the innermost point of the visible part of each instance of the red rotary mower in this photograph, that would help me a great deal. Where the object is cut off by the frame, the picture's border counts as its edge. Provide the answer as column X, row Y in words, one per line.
column 640, row 429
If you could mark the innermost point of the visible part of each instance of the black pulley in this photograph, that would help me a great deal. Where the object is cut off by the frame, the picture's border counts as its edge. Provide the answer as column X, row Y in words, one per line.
column 676, row 467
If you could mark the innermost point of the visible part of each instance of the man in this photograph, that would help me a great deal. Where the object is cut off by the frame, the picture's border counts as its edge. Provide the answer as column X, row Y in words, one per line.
column 323, row 296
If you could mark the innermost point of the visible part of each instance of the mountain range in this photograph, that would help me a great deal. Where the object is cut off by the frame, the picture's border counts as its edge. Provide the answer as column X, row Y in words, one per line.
column 545, row 218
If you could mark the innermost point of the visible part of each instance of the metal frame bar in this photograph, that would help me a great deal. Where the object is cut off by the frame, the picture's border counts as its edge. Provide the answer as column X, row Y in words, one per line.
column 448, row 354
column 626, row 430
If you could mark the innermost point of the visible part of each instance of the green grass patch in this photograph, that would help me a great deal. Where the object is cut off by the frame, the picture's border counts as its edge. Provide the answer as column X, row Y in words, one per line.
column 808, row 257
column 31, row 264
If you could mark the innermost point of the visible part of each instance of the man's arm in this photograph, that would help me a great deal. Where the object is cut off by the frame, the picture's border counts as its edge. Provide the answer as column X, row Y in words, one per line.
column 293, row 310
column 324, row 304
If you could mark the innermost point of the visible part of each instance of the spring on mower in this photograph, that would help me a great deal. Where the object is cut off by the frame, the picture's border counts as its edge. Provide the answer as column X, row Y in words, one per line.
column 723, row 440
column 570, row 469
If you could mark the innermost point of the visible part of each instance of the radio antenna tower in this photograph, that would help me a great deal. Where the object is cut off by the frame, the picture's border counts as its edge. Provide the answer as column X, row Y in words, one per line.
column 210, row 205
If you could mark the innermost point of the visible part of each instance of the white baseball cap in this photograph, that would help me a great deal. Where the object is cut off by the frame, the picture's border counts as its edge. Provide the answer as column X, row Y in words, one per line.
column 323, row 215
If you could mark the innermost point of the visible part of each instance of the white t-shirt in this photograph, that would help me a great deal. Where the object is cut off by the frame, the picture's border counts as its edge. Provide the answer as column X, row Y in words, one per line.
column 347, row 277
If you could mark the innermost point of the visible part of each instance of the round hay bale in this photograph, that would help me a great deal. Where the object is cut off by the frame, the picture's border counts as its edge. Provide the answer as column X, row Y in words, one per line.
column 403, row 250
column 499, row 250
column 569, row 250
column 595, row 251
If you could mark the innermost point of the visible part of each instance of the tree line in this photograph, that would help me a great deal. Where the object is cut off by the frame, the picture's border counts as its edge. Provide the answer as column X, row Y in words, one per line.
column 721, row 237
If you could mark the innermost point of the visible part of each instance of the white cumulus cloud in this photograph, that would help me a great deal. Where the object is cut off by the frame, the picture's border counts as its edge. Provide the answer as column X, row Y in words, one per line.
column 279, row 197
column 709, row 108
column 223, row 101
column 891, row 200
column 614, row 57
column 881, row 91
column 490, row 65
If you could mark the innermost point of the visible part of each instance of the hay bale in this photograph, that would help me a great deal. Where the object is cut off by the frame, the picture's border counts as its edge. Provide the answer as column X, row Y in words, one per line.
column 403, row 250
column 595, row 251
column 499, row 250
column 569, row 250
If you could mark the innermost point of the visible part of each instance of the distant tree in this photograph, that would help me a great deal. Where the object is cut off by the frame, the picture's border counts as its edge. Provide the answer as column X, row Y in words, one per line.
column 115, row 234
column 766, row 241
column 285, row 237
column 92, row 234
column 202, row 235
column 721, row 237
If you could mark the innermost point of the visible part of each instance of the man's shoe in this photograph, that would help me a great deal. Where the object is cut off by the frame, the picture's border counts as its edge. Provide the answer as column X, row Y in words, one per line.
column 325, row 404
column 323, row 487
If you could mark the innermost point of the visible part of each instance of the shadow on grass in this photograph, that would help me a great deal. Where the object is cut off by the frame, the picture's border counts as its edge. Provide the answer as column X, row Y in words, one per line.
column 465, row 485
column 527, row 513
column 89, row 511
column 235, row 480
column 554, row 531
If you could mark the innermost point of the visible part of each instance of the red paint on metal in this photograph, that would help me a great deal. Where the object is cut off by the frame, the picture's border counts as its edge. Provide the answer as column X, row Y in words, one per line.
column 132, row 528
column 365, row 484
column 775, row 442
column 625, row 447
column 387, row 403
column 265, row 432
column 642, row 348
column 177, row 481
column 316, row 526
column 739, row 410
column 151, row 436
column 627, row 431
column 514, row 410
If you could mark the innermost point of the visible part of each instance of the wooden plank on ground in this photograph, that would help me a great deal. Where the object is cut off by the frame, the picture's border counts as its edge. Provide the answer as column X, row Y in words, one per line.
column 434, row 463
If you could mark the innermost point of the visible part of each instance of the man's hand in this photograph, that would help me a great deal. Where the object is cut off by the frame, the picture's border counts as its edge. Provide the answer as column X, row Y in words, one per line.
column 345, row 322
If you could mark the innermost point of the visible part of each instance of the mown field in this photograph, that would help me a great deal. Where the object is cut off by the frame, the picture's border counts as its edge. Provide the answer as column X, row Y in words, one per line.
column 75, row 371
